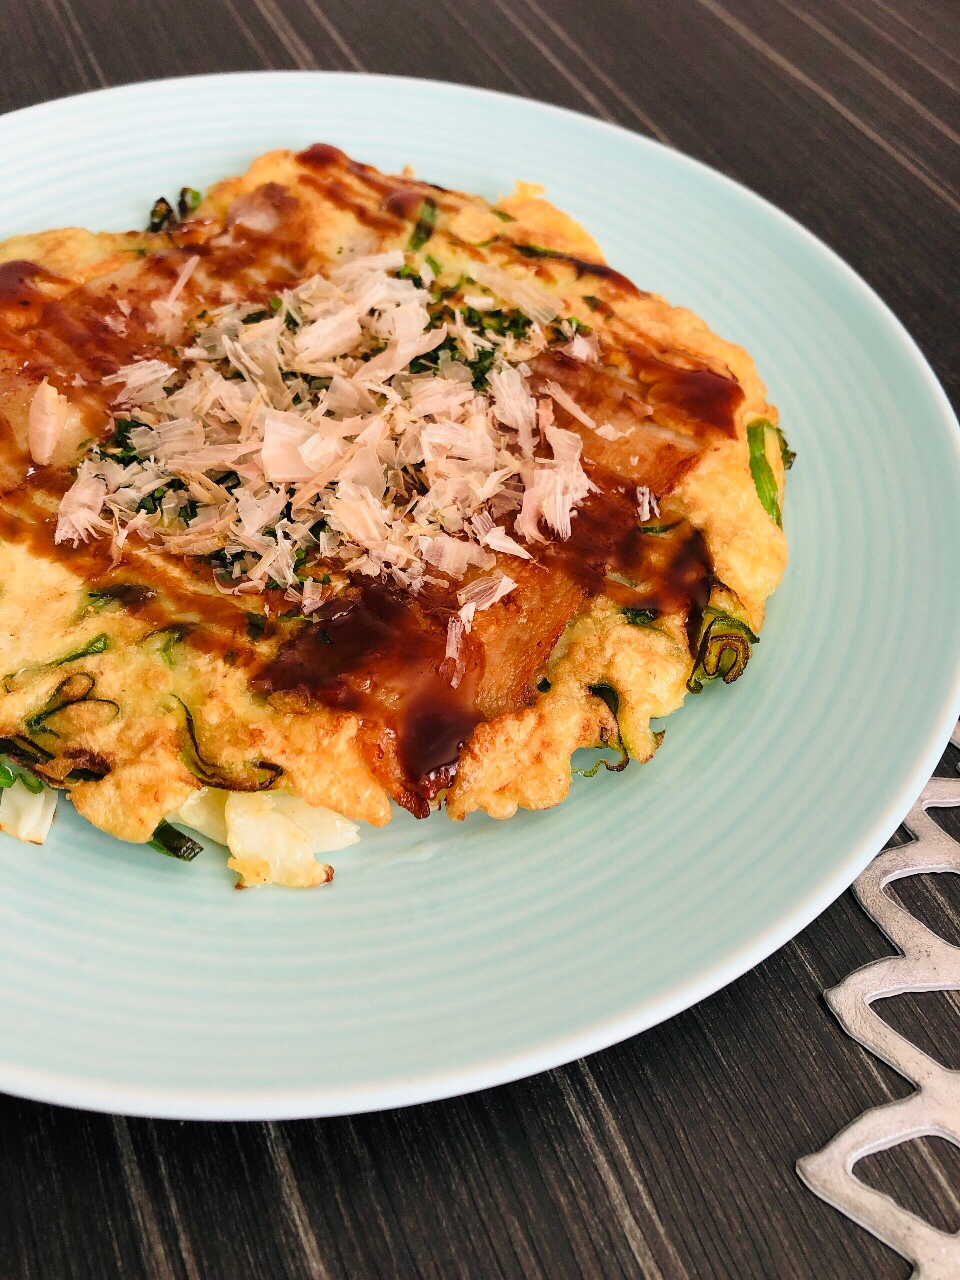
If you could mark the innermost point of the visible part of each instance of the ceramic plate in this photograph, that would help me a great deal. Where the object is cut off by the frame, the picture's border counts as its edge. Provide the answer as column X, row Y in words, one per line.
column 446, row 957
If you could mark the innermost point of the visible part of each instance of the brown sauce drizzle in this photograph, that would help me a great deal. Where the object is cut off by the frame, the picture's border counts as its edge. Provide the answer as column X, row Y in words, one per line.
column 339, row 194
column 17, row 288
column 581, row 266
column 322, row 157
column 165, row 593
column 81, row 333
column 608, row 553
column 380, row 654
column 398, row 199
column 374, row 651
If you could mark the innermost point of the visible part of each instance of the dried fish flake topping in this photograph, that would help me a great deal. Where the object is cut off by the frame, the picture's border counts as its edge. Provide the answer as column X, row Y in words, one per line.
column 350, row 424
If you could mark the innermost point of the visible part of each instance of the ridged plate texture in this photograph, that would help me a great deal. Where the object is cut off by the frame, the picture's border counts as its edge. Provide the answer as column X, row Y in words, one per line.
column 446, row 957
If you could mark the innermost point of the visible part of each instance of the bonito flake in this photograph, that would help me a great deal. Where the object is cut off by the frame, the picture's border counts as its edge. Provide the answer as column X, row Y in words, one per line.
column 316, row 427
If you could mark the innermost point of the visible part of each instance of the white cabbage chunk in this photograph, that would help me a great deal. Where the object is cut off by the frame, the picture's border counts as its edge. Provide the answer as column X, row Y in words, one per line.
column 273, row 837
column 204, row 812
column 26, row 815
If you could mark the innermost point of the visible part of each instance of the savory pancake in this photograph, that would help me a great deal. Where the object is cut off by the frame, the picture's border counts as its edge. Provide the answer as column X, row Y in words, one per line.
column 344, row 487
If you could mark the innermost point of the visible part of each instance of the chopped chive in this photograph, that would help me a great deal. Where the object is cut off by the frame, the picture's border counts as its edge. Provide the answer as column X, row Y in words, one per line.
column 125, row 593
column 189, row 201
column 423, row 228
column 640, row 617
column 538, row 251
column 607, row 694
column 99, row 644
column 787, row 455
column 724, row 649
column 657, row 528
column 433, row 264
column 503, row 215
column 167, row 839
column 760, row 469
column 161, row 215
column 257, row 775
column 171, row 637
column 23, row 751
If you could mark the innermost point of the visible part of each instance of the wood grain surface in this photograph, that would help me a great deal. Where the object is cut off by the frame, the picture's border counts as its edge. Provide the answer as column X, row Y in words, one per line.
column 669, row 1157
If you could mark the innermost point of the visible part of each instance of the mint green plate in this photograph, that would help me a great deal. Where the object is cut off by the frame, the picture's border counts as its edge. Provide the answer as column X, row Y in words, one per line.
column 447, row 957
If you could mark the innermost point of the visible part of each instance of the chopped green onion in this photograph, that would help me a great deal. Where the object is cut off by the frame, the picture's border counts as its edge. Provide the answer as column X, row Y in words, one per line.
column 787, row 455
column 618, row 767
column 189, row 201
column 538, row 251
column 167, row 839
column 70, row 692
column 24, row 751
column 598, row 304
column 125, row 593
column 276, row 304
column 258, row 775
column 161, row 215
column 423, row 229
column 256, row 626
column 433, row 264
column 9, row 775
column 171, row 636
column 761, row 470
column 75, row 688
column 503, row 215
column 724, row 649
column 607, row 694
column 30, row 781
column 99, row 644
column 657, row 528
column 640, row 617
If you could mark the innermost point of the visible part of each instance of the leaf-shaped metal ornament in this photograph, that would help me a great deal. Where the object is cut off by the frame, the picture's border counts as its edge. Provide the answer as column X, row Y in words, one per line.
column 926, row 963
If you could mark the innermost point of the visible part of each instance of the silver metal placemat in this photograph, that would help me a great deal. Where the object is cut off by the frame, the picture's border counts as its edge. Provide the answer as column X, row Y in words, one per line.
column 927, row 963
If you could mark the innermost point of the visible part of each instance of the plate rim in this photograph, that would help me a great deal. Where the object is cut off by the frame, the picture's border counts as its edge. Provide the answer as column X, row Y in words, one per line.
column 61, row 1088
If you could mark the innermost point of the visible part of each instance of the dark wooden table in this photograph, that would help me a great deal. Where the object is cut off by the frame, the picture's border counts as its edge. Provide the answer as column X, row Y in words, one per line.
column 670, row 1156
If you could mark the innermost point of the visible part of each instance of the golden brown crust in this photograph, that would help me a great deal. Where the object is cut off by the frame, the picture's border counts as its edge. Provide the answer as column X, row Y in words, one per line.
column 520, row 756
